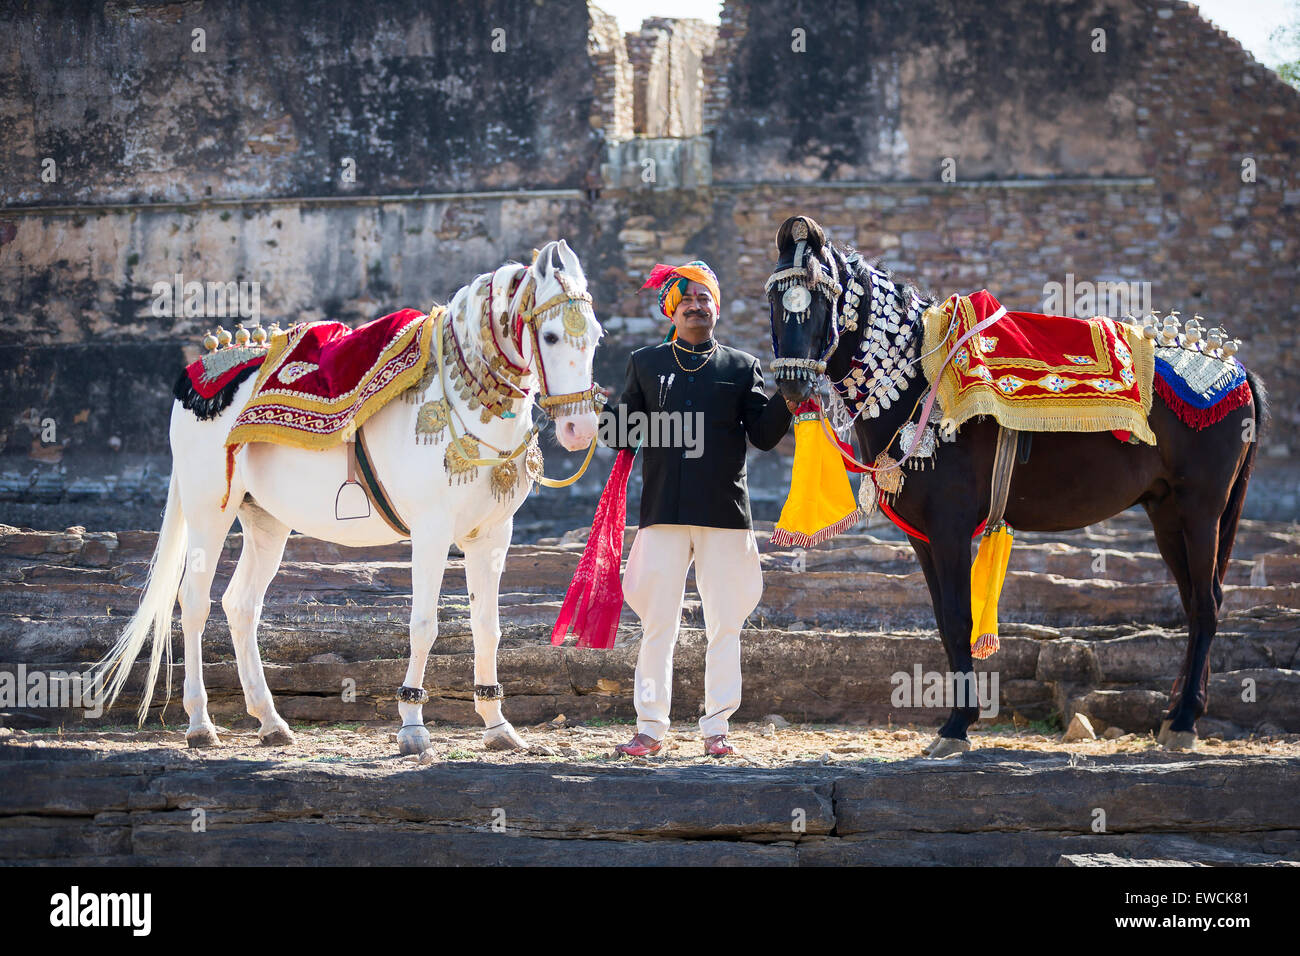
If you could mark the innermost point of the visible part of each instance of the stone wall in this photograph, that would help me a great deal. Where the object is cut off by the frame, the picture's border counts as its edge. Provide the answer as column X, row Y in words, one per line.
column 441, row 95
column 1123, row 165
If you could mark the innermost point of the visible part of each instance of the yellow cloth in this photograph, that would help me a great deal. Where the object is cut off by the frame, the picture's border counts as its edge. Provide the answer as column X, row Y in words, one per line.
column 986, row 577
column 821, row 503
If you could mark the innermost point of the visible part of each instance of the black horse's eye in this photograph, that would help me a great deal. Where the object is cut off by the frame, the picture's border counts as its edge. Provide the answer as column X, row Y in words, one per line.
column 550, row 338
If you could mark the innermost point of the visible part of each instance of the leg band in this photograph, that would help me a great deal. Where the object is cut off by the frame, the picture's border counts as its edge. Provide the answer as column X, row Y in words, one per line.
column 413, row 695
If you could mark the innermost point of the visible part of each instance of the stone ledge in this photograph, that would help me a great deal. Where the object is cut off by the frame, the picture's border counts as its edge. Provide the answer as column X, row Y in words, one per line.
column 58, row 805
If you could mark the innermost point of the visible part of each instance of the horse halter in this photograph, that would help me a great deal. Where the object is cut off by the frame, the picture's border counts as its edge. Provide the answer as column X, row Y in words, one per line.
column 798, row 284
column 573, row 305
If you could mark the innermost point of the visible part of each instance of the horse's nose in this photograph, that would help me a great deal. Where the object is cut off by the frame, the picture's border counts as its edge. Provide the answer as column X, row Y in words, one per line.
column 576, row 431
column 794, row 389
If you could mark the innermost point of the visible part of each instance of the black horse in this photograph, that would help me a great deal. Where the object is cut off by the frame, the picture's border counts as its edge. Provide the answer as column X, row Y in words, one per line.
column 1191, row 483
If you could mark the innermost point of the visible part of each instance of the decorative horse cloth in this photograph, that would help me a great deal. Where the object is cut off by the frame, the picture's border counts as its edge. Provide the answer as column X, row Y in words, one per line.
column 208, row 384
column 1200, row 389
column 320, row 381
column 1035, row 372
column 821, row 503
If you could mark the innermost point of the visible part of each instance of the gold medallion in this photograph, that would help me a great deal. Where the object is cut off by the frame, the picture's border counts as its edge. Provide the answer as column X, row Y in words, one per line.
column 456, row 461
column 504, row 477
column 575, row 322
column 432, row 419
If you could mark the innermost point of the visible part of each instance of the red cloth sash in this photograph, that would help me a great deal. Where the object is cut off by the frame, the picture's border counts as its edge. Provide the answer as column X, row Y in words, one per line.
column 594, row 601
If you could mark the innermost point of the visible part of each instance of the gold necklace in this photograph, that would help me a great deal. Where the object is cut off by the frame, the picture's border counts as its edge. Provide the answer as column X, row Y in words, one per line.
column 698, row 367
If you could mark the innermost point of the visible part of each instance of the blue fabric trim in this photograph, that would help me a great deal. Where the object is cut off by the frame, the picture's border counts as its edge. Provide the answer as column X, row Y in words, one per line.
column 1190, row 395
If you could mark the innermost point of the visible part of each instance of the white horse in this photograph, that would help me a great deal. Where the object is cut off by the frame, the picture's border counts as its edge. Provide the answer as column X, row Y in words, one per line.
column 278, row 488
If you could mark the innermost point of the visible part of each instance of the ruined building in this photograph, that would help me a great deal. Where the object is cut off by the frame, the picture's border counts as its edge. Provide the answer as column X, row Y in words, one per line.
column 343, row 163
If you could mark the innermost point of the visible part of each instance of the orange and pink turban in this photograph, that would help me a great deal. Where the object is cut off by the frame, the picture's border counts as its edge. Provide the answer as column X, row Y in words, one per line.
column 671, row 281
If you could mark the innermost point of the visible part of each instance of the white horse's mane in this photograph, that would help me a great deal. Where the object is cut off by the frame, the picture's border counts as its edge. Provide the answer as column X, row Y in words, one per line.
column 466, row 306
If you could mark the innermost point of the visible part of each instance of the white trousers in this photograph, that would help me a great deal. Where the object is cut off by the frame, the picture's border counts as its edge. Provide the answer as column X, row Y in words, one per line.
column 730, row 582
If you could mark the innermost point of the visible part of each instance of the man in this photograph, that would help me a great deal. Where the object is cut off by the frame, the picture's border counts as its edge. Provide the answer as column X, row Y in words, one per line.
column 694, row 502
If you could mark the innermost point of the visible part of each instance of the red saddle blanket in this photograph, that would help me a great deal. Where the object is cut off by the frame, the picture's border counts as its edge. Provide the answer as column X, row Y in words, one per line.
column 1037, row 372
column 322, row 380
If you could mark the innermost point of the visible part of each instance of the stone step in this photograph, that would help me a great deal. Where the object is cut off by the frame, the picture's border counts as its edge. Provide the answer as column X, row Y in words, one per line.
column 1121, row 680
column 814, row 596
column 553, row 568
column 61, row 805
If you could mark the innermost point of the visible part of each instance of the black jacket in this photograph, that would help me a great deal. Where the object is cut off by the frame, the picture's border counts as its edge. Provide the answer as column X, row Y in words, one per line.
column 699, row 478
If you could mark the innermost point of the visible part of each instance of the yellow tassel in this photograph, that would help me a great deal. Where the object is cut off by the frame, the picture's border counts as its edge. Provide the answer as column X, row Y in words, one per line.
column 987, row 575
column 821, row 503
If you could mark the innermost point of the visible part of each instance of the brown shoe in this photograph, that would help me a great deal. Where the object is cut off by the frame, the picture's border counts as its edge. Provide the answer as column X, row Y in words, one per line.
column 642, row 745
column 718, row 746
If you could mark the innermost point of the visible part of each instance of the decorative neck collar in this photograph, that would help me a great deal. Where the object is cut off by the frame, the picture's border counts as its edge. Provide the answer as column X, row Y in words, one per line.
column 886, row 356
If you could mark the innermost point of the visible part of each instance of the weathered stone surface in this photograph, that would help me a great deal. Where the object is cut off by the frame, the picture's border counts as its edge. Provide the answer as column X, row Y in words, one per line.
column 1136, row 710
column 1080, row 728
column 337, row 618
column 62, row 806
column 996, row 793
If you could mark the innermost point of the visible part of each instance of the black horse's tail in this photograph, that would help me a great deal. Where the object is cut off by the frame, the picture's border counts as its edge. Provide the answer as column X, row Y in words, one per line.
column 1237, row 496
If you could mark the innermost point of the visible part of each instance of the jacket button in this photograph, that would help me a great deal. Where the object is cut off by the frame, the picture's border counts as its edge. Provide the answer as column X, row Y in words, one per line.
column 690, row 378
column 688, row 401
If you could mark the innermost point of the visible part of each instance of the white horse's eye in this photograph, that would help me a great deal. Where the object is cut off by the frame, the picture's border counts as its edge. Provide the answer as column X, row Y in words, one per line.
column 796, row 299
column 550, row 338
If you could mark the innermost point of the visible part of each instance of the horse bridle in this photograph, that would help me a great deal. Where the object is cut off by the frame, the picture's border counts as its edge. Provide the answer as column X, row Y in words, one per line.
column 798, row 284
column 575, row 308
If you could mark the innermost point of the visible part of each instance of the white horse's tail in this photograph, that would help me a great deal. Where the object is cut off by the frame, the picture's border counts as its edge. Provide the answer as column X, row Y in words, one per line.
column 154, row 615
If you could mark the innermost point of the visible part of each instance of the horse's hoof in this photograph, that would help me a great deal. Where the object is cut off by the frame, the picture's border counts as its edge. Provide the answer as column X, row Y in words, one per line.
column 203, row 737
column 413, row 739
column 503, row 738
column 281, row 737
column 1180, row 740
column 942, row 747
column 1164, row 731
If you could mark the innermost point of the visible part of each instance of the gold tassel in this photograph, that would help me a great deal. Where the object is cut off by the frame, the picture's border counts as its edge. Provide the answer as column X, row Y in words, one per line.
column 533, row 462
column 889, row 477
column 431, row 421
column 988, row 574
column 456, row 463
column 504, row 478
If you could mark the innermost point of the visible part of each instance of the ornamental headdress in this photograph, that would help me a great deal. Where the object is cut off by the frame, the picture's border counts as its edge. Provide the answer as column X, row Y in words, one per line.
column 671, row 281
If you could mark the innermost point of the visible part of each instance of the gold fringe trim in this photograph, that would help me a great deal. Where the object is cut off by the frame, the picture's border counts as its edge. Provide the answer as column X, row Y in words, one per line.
column 313, row 441
column 784, row 537
column 1058, row 416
